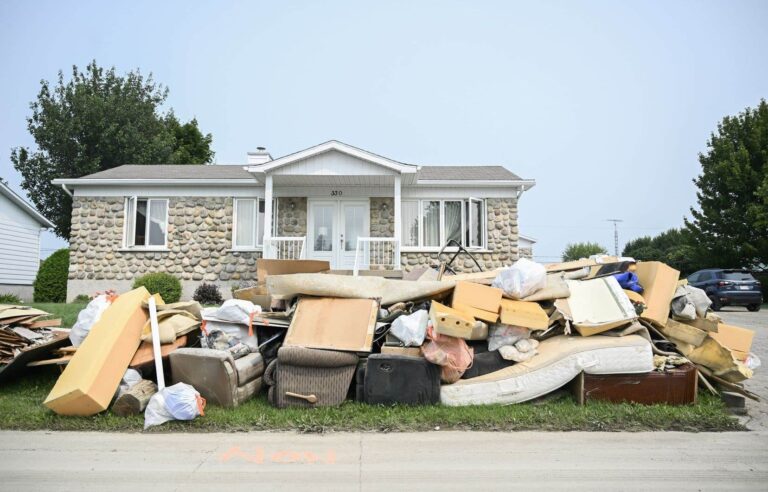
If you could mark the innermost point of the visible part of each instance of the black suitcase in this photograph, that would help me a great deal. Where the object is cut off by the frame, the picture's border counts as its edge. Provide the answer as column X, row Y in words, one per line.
column 391, row 379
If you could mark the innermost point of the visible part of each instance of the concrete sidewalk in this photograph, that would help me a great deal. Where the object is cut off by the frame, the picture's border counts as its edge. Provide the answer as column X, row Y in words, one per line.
column 353, row 461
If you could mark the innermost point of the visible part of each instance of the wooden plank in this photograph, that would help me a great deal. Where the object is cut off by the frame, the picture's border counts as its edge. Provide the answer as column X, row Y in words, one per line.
column 46, row 323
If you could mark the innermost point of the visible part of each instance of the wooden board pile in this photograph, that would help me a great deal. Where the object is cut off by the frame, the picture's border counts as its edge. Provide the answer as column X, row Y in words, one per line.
column 22, row 327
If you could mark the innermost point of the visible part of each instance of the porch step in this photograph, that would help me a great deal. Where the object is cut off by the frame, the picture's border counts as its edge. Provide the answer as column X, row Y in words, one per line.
column 371, row 273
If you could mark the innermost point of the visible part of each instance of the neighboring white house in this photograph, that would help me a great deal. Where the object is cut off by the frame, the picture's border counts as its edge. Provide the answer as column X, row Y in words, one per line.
column 20, row 228
column 525, row 246
column 333, row 201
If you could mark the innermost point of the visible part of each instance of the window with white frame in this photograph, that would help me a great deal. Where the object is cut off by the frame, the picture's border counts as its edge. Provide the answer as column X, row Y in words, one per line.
column 432, row 223
column 146, row 222
column 248, row 220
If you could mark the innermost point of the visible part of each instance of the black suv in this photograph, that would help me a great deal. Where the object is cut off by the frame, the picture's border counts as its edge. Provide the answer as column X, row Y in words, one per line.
column 729, row 287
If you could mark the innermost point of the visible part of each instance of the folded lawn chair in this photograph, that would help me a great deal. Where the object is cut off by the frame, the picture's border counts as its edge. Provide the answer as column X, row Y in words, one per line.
column 302, row 377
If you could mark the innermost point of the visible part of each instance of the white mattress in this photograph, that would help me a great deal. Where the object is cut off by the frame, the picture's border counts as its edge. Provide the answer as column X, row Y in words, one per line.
column 560, row 359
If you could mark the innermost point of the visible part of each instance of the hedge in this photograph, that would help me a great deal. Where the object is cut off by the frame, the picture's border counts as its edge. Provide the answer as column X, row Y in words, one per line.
column 51, row 281
column 165, row 284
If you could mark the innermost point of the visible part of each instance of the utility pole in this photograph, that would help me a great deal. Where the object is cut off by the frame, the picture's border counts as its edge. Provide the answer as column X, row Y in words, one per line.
column 615, row 235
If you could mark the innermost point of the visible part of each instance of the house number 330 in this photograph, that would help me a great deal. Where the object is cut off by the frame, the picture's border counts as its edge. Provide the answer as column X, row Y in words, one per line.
column 336, row 193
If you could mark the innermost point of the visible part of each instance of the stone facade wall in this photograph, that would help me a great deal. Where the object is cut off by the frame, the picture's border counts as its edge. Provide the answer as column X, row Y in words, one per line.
column 199, row 246
column 502, row 241
column 292, row 217
column 382, row 217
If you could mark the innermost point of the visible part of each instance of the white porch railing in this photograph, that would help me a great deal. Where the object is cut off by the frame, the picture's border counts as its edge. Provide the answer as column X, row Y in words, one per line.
column 285, row 248
column 377, row 253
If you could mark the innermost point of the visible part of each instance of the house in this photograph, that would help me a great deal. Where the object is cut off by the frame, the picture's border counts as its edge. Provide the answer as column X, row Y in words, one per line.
column 525, row 246
column 20, row 228
column 333, row 201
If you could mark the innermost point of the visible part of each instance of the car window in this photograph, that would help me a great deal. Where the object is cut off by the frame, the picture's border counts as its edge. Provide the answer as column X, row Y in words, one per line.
column 693, row 278
column 704, row 276
column 738, row 276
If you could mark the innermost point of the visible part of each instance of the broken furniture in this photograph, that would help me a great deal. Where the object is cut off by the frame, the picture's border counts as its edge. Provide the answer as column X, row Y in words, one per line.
column 88, row 384
column 304, row 377
column 560, row 359
column 217, row 375
column 391, row 379
column 677, row 386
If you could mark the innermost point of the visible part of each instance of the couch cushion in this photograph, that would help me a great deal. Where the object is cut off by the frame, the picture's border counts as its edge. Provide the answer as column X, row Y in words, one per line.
column 249, row 368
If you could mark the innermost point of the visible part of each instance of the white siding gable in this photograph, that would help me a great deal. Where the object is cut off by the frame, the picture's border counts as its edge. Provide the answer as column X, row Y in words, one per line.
column 19, row 244
column 333, row 163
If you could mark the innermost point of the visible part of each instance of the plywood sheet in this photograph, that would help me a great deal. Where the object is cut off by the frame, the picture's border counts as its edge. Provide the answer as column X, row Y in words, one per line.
column 333, row 323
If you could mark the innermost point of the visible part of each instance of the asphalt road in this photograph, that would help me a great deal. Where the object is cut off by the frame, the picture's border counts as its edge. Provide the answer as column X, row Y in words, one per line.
column 351, row 461
column 739, row 316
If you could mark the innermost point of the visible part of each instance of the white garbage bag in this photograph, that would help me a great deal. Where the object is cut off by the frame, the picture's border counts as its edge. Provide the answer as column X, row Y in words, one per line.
column 411, row 329
column 178, row 402
column 232, row 311
column 130, row 378
column 521, row 279
column 87, row 318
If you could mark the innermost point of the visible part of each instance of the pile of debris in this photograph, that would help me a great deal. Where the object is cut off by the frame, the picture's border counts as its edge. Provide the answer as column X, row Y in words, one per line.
column 607, row 328
column 24, row 336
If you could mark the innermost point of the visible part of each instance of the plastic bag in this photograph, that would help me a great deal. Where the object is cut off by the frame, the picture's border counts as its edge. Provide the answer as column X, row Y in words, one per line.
column 690, row 302
column 411, row 329
column 453, row 354
column 521, row 279
column 87, row 318
column 232, row 311
column 500, row 335
column 178, row 402
column 752, row 361
column 130, row 378
column 521, row 351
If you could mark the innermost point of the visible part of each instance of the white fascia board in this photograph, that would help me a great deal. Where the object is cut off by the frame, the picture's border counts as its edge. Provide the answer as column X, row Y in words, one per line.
column 525, row 184
column 153, row 182
column 337, row 146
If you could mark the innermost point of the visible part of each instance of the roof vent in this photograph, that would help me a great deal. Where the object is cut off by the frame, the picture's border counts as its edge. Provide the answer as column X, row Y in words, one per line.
column 261, row 156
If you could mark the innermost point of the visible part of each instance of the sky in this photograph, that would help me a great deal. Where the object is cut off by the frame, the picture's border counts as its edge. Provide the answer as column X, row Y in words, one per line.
column 606, row 104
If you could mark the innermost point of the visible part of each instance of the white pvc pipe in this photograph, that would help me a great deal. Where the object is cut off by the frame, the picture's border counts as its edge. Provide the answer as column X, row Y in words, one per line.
column 156, row 344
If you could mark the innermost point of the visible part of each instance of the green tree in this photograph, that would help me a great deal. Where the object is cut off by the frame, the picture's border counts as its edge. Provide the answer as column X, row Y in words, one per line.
column 576, row 251
column 95, row 121
column 674, row 247
column 730, row 226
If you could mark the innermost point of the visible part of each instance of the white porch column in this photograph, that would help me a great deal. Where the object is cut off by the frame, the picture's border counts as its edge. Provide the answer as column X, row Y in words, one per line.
column 398, row 218
column 267, row 214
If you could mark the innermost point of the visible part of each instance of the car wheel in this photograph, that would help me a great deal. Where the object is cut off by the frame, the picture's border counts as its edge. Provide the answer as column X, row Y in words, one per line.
column 715, row 303
column 753, row 307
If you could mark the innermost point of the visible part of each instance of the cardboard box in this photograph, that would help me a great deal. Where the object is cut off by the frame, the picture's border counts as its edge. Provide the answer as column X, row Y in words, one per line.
column 333, row 323
column 477, row 296
column 265, row 268
column 738, row 340
column 451, row 322
column 659, row 283
column 525, row 314
column 407, row 351
column 476, row 313
column 684, row 333
column 89, row 382
column 710, row 323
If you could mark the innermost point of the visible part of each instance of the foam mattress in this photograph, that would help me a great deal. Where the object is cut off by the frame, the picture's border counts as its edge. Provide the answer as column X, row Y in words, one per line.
column 560, row 359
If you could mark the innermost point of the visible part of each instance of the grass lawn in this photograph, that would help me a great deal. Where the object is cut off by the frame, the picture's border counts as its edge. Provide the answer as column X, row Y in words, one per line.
column 21, row 408
column 67, row 312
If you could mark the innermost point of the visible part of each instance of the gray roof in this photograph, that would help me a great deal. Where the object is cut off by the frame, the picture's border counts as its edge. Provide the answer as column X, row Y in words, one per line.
column 173, row 171
column 467, row 173
column 237, row 171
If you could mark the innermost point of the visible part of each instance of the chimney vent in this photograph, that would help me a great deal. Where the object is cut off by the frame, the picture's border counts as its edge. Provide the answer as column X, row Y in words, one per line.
column 261, row 156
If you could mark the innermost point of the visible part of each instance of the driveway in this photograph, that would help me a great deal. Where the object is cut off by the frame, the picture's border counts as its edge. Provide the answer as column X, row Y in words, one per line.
column 739, row 316
column 354, row 461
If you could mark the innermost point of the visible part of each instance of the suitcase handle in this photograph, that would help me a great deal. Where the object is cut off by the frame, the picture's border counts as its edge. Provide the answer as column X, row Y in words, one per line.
column 309, row 398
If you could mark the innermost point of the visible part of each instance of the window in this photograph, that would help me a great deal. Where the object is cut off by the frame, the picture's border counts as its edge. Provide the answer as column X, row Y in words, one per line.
column 146, row 222
column 432, row 223
column 704, row 276
column 248, row 220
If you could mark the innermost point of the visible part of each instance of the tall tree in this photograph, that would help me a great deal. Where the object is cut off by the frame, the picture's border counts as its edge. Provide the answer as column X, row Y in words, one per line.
column 95, row 121
column 674, row 247
column 576, row 251
column 730, row 225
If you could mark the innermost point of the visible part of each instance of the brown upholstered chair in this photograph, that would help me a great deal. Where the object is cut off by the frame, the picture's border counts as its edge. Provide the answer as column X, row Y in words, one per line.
column 303, row 377
column 219, row 378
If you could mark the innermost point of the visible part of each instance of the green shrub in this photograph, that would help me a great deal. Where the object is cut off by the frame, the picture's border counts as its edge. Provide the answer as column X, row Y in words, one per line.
column 51, row 282
column 165, row 284
column 81, row 299
column 9, row 299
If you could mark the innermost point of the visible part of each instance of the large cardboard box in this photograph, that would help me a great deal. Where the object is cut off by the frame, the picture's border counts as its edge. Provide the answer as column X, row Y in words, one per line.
column 266, row 267
column 659, row 283
column 737, row 340
column 333, row 323
column 89, row 382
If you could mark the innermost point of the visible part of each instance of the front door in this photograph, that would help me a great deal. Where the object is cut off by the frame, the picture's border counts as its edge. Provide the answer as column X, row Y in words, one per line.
column 333, row 229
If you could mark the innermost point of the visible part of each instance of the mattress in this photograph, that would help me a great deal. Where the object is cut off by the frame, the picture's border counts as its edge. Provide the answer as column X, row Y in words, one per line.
column 560, row 359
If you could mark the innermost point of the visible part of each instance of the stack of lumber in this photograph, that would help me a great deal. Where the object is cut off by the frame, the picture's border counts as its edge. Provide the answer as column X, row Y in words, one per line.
column 22, row 327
